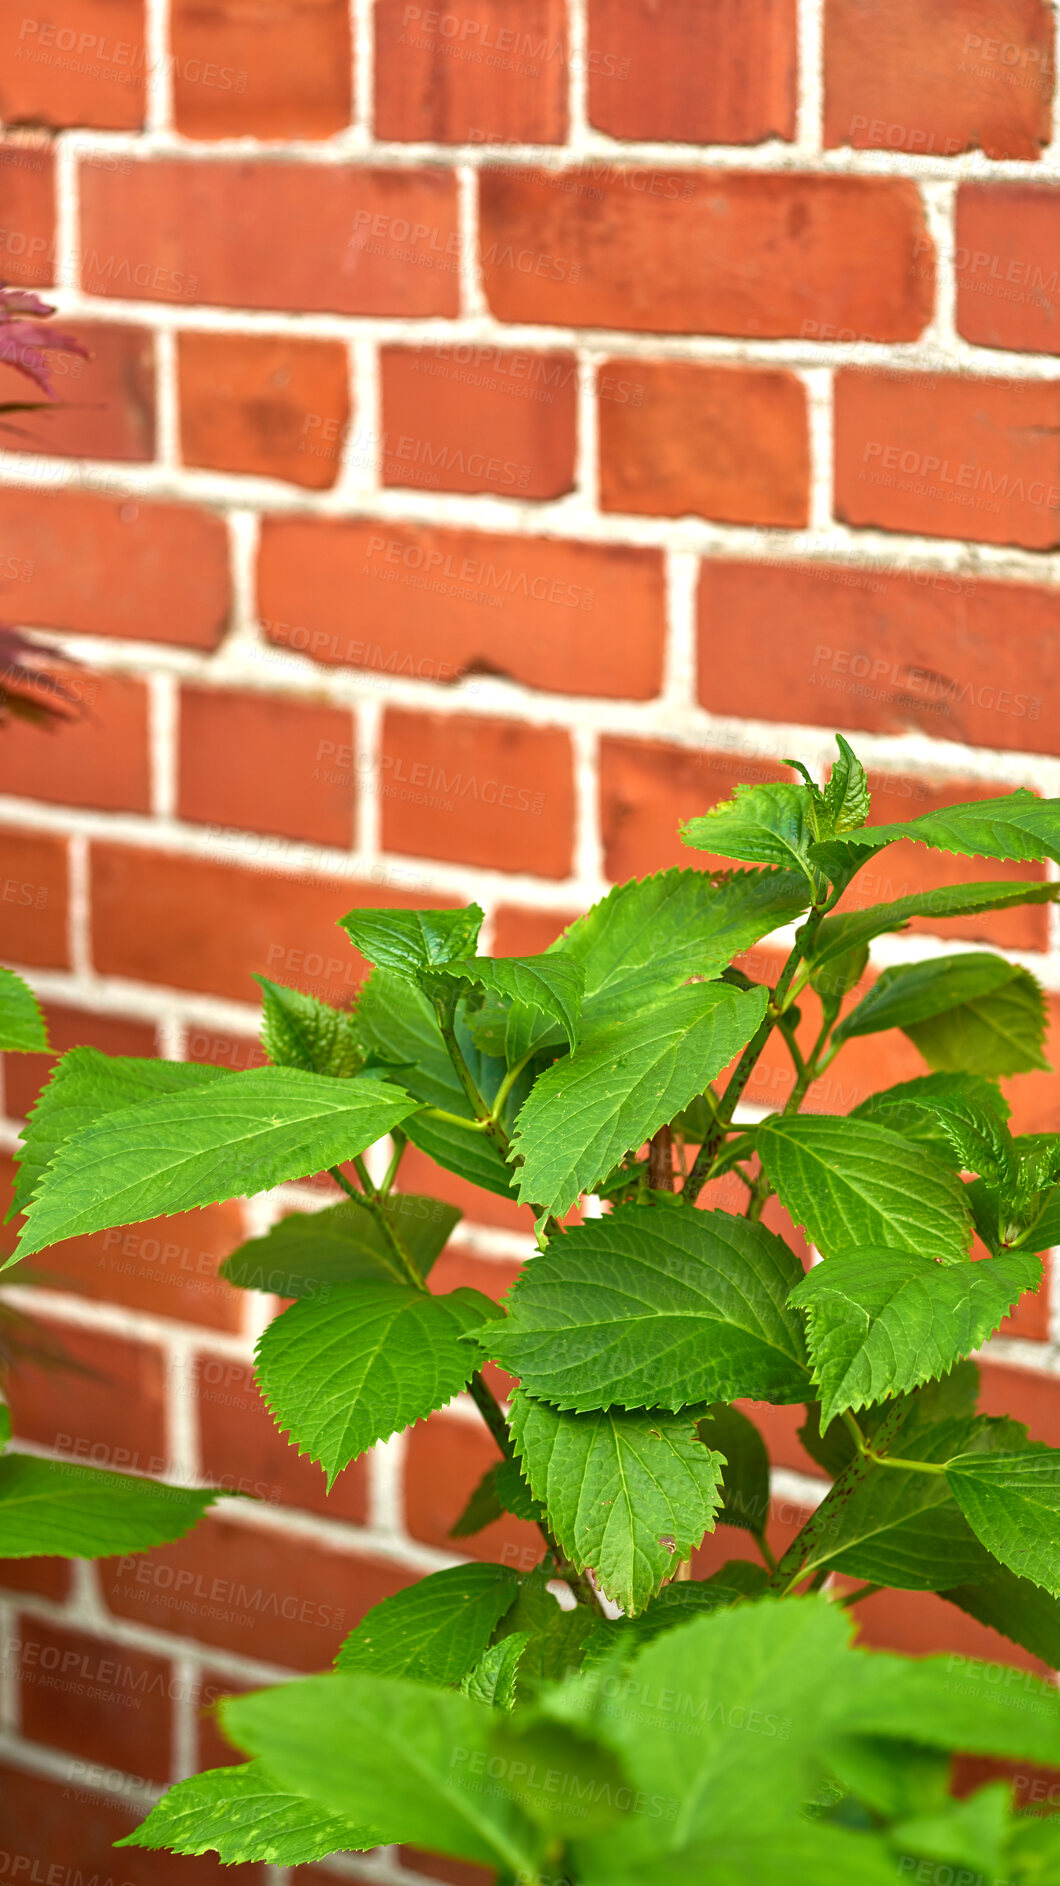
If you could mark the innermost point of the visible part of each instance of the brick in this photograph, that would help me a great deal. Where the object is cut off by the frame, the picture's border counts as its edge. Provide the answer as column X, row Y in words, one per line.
column 950, row 655
column 167, row 1267
column 100, row 88
column 69, row 1829
column 25, row 1074
column 1034, row 1097
column 695, row 72
column 648, row 788
column 261, row 68
column 243, row 1450
column 906, row 868
column 33, row 899
column 921, row 1624
column 446, row 1458
column 506, row 424
column 518, row 932
column 960, row 75
column 260, row 763
column 233, row 1052
column 1026, row 1395
column 100, row 566
column 263, row 403
column 312, row 238
column 27, row 214
column 569, row 618
column 43, row 1578
column 729, row 443
column 488, row 792
column 689, row 252
column 102, row 1701
column 949, row 456
column 214, row 1750
column 502, row 78
column 251, row 1590
column 197, row 923
column 105, row 405
column 452, row 1872
column 1006, row 285
column 98, row 759
column 106, row 1407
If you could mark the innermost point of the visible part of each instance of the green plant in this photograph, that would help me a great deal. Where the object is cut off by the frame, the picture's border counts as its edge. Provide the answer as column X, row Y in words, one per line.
column 725, row 1729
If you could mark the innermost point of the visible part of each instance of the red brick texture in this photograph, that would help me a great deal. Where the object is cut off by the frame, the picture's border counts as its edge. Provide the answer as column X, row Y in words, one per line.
column 502, row 431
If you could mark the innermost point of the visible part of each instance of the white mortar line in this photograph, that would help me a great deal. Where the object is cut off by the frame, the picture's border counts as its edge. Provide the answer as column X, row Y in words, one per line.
column 809, row 133
column 159, row 68
column 79, row 922
column 819, row 388
column 162, row 695
column 167, row 400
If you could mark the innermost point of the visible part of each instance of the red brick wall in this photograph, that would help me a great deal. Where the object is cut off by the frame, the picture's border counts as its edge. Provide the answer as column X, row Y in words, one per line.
column 593, row 401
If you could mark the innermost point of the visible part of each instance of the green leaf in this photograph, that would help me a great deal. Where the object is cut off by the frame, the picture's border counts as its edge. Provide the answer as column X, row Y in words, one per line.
column 344, row 1372
column 761, row 825
column 1017, row 825
column 299, row 1031
column 309, row 1252
column 628, row 1495
column 5, row 1426
column 855, row 929
column 718, row 1719
column 54, row 1507
column 239, row 1135
column 978, row 1711
column 244, row 1813
column 745, row 1480
column 22, row 1025
column 551, row 984
column 494, row 1677
column 622, row 1084
column 1012, row 1504
column 854, row 1185
column 84, row 1087
column 902, row 1528
column 398, row 1024
column 1014, row 1606
column 846, row 795
column 413, row 940
column 395, row 1754
column 969, row 1833
column 501, row 1490
column 881, row 1322
column 649, row 1309
column 555, row 1641
column 646, row 939
column 437, row 1630
column 914, row 1108
column 976, row 1013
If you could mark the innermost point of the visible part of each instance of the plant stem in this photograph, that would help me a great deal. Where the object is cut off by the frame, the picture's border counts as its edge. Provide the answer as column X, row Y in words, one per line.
column 733, row 1094
column 457, row 1119
column 375, row 1203
column 400, row 1140
column 661, row 1161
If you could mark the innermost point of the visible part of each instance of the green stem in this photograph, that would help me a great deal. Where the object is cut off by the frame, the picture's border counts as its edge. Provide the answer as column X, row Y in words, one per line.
column 457, row 1119
column 374, row 1202
column 400, row 1140
column 733, row 1094
column 506, row 1086
column 868, row 1452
